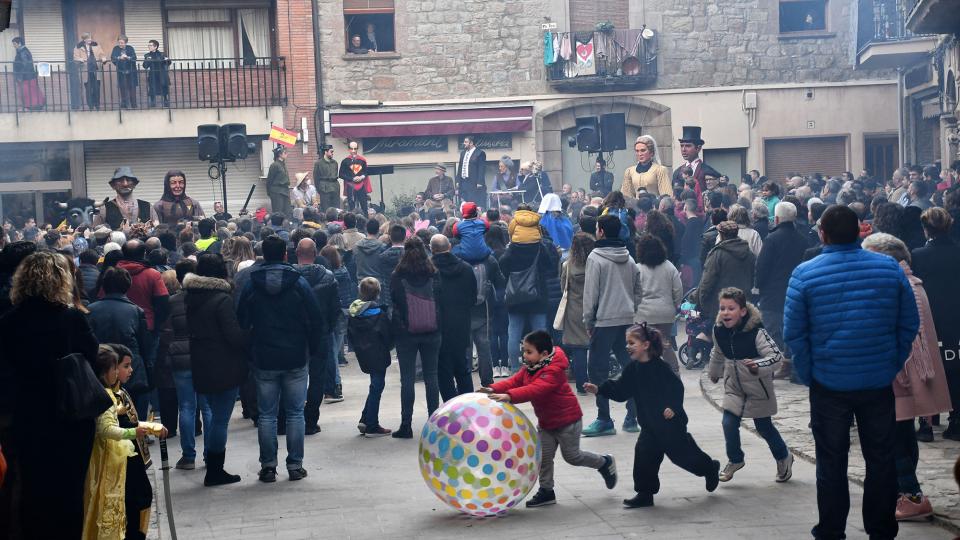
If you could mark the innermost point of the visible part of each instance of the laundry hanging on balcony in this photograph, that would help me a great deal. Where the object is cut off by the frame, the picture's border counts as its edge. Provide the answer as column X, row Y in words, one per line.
column 548, row 54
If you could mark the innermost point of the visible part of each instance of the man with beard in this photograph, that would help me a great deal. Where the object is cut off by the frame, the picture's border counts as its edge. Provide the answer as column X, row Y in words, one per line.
column 356, row 183
column 471, row 173
column 124, row 207
column 690, row 146
column 175, row 205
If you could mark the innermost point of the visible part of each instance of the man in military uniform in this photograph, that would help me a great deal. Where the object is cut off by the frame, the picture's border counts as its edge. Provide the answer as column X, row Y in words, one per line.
column 326, row 180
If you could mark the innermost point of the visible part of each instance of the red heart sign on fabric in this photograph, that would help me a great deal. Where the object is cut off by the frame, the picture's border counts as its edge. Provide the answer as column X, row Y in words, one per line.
column 584, row 50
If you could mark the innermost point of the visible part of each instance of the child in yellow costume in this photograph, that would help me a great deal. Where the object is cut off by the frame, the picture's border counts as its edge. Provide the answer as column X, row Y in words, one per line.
column 104, row 512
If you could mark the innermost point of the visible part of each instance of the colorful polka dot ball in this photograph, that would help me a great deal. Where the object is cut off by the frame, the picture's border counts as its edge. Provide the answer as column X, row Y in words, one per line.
column 479, row 456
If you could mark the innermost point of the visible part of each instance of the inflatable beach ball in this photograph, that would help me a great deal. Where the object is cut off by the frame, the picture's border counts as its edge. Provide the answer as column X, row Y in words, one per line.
column 479, row 456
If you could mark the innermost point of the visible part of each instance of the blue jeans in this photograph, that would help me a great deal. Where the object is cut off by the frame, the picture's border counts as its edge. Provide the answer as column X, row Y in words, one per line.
column 578, row 360
column 332, row 375
column 498, row 333
column 371, row 409
column 607, row 339
column 217, row 418
column 517, row 322
column 766, row 429
column 290, row 387
column 408, row 345
column 187, row 401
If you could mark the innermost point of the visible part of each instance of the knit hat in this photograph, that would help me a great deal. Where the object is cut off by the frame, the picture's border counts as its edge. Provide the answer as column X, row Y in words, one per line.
column 727, row 228
column 525, row 227
column 468, row 210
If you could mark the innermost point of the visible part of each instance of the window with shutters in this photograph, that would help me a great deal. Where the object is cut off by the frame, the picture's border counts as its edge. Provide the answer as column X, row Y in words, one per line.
column 803, row 16
column 218, row 33
column 369, row 26
column 585, row 15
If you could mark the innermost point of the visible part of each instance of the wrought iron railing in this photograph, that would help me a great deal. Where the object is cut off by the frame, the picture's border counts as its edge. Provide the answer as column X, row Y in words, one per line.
column 191, row 84
column 883, row 21
column 610, row 54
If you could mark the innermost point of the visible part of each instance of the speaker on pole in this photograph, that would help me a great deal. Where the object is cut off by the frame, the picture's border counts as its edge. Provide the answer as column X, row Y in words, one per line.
column 613, row 132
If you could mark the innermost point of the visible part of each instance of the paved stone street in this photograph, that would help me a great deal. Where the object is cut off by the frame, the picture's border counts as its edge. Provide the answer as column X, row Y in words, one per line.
column 935, row 470
column 371, row 488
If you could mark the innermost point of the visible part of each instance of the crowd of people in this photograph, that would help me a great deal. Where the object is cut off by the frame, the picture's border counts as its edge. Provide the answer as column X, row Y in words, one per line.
column 841, row 284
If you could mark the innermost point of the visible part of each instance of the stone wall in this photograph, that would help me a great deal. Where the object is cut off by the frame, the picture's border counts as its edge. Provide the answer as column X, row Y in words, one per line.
column 445, row 49
column 480, row 48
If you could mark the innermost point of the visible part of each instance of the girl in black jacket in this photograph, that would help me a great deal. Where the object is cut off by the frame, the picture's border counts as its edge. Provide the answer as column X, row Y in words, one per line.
column 658, row 393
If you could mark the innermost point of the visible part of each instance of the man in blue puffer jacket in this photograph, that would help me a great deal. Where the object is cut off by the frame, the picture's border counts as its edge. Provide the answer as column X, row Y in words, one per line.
column 850, row 319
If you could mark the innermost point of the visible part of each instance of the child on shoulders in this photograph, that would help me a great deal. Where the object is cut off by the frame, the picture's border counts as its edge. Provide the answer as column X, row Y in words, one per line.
column 543, row 382
column 658, row 393
column 368, row 329
column 746, row 356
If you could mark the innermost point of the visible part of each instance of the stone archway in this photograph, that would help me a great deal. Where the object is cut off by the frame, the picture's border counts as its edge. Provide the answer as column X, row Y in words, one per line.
column 550, row 122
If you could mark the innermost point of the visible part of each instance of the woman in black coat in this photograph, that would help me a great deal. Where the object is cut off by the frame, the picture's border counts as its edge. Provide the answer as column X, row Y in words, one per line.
column 218, row 357
column 52, row 462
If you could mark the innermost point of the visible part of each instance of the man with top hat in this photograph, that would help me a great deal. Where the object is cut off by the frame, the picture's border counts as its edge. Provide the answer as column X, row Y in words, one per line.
column 690, row 146
column 175, row 205
column 439, row 187
column 124, row 208
column 278, row 183
column 326, row 179
column 356, row 183
column 471, row 173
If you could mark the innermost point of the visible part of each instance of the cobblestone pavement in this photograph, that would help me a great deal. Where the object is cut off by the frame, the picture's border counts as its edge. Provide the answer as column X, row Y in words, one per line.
column 371, row 488
column 935, row 470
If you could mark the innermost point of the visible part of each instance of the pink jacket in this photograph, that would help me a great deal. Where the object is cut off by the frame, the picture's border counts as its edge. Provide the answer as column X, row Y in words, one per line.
column 921, row 386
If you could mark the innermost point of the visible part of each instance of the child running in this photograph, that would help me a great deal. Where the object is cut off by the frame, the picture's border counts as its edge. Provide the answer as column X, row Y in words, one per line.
column 658, row 393
column 369, row 331
column 544, row 384
column 745, row 355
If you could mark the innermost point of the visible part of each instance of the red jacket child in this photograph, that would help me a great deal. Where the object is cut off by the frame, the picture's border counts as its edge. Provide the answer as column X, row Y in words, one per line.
column 547, row 389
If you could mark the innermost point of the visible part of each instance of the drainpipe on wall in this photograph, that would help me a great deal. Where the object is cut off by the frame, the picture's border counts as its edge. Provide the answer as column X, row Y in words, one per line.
column 901, row 127
column 317, row 64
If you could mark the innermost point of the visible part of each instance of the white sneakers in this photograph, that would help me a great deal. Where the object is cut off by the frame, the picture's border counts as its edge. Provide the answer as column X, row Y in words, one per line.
column 728, row 471
column 785, row 468
column 500, row 372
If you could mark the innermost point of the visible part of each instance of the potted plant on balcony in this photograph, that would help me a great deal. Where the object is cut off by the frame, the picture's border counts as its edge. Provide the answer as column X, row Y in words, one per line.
column 605, row 27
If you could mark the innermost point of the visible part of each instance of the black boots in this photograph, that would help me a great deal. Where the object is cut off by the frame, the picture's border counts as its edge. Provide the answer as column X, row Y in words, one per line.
column 216, row 476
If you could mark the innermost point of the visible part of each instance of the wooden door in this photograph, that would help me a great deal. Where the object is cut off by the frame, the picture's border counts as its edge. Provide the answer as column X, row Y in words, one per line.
column 882, row 157
column 102, row 18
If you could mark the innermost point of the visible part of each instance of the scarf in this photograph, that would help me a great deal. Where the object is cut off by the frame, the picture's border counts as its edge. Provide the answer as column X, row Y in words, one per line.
column 644, row 167
column 173, row 205
column 544, row 362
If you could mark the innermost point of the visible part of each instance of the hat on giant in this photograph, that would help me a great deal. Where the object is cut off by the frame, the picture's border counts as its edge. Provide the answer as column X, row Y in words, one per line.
column 124, row 172
column 691, row 134
column 440, row 166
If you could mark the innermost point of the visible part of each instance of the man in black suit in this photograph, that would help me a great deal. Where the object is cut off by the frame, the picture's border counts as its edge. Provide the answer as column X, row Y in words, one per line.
column 690, row 146
column 471, row 173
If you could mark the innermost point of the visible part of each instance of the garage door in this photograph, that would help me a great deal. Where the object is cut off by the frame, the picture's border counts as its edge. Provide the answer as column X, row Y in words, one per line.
column 150, row 161
column 824, row 155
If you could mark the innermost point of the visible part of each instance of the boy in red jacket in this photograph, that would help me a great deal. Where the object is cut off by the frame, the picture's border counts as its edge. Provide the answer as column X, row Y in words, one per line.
column 543, row 383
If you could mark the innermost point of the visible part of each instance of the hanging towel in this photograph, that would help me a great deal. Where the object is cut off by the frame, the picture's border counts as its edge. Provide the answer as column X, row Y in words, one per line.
column 547, row 48
column 566, row 51
column 556, row 47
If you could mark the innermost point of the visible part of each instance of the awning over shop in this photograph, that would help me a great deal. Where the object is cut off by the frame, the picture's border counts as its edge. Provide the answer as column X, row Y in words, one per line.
column 405, row 123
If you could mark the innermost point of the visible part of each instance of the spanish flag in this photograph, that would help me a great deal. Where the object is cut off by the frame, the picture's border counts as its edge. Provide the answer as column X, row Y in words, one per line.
column 282, row 136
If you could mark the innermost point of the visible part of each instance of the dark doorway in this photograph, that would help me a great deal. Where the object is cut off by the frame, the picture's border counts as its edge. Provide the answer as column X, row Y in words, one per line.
column 882, row 157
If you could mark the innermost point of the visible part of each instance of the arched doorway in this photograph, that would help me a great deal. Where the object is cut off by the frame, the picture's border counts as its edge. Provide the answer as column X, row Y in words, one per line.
column 555, row 123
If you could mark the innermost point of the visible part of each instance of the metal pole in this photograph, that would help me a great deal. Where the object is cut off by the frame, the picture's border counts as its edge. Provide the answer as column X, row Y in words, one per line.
column 223, row 183
column 317, row 66
column 165, row 467
column 901, row 125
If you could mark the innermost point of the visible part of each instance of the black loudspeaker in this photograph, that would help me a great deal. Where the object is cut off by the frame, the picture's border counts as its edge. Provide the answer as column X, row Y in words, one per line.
column 233, row 137
column 208, row 142
column 613, row 132
column 588, row 134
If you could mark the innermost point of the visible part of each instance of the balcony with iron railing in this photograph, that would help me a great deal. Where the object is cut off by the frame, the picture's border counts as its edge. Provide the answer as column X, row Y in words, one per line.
column 603, row 60
column 933, row 16
column 883, row 39
column 190, row 84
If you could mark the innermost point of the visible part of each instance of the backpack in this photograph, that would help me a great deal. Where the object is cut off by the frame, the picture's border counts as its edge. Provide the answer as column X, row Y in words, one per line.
column 483, row 283
column 421, row 307
column 523, row 286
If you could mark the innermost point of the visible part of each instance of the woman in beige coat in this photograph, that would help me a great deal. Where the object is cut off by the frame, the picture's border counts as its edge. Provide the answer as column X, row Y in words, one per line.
column 648, row 174
column 576, row 339
column 920, row 388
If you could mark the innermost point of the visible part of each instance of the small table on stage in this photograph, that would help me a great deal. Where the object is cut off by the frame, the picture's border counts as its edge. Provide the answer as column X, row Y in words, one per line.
column 507, row 193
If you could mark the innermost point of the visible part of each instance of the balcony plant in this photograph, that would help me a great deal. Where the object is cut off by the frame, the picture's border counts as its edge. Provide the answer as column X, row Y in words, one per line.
column 605, row 27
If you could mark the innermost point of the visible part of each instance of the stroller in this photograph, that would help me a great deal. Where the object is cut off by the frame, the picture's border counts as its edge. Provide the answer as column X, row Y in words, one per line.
column 693, row 353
